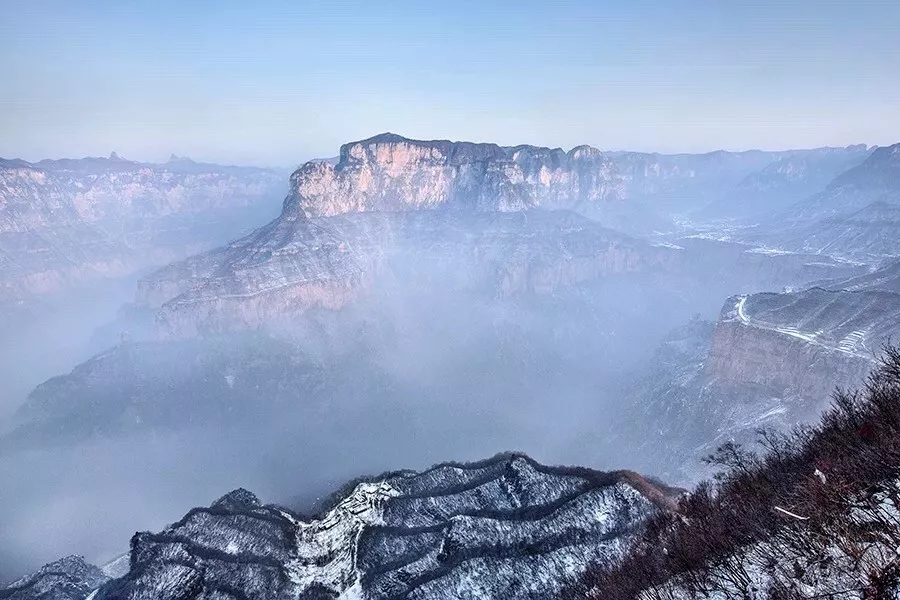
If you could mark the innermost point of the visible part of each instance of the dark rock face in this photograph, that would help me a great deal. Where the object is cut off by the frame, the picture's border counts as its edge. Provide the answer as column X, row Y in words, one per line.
column 505, row 527
column 66, row 222
column 69, row 578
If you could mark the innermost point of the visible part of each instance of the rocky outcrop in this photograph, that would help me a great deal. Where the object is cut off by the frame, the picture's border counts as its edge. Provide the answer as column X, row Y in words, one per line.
column 292, row 265
column 501, row 528
column 758, row 342
column 65, row 222
column 771, row 360
column 391, row 173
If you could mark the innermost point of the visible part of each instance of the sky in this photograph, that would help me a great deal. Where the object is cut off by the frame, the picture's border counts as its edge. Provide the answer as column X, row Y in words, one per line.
column 278, row 82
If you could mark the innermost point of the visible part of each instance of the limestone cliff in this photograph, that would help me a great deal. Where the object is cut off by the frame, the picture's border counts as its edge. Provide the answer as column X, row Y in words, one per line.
column 66, row 222
column 392, row 173
column 292, row 265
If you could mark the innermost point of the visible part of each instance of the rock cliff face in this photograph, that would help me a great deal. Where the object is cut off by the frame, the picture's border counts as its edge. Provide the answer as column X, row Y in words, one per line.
column 294, row 264
column 507, row 527
column 391, row 173
column 771, row 360
column 64, row 222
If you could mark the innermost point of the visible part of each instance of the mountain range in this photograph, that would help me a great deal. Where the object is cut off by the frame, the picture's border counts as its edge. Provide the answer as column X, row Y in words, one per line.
column 67, row 222
column 499, row 528
column 436, row 289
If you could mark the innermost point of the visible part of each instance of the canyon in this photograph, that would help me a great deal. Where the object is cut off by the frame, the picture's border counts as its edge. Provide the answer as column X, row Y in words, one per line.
column 467, row 298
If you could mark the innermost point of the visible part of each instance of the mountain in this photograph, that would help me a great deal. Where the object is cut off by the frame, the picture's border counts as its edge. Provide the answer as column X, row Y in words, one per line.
column 69, row 578
column 293, row 265
column 870, row 235
column 390, row 172
column 771, row 360
column 784, row 182
column 67, row 222
column 500, row 528
column 854, row 218
column 507, row 220
column 876, row 179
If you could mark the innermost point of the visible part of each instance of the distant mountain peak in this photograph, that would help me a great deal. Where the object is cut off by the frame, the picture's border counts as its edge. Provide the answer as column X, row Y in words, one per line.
column 239, row 499
column 385, row 138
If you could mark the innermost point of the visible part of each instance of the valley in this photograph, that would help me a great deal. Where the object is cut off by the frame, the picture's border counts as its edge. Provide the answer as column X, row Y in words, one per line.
column 413, row 302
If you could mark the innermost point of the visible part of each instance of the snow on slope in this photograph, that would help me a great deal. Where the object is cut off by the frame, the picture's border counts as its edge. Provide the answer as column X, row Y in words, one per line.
column 506, row 527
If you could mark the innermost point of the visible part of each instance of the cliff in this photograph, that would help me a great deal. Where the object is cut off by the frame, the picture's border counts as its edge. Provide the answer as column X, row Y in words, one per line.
column 392, row 173
column 66, row 222
column 293, row 265
column 770, row 360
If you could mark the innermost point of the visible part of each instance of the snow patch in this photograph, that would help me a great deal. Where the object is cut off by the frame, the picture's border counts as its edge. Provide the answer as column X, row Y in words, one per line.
column 326, row 548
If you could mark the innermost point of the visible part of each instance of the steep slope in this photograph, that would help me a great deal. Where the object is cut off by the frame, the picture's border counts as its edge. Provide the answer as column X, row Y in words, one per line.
column 390, row 172
column 500, row 528
column 69, row 578
column 855, row 217
column 877, row 179
column 771, row 360
column 814, row 514
column 784, row 182
column 293, row 265
column 64, row 222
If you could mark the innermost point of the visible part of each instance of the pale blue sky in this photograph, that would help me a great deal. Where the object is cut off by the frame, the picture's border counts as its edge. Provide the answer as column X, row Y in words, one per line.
column 277, row 82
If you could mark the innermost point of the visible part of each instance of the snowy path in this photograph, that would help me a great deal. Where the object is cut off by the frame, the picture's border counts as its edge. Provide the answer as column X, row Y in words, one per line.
column 852, row 344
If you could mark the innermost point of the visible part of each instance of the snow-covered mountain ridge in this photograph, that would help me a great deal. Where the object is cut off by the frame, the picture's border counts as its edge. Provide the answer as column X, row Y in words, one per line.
column 501, row 528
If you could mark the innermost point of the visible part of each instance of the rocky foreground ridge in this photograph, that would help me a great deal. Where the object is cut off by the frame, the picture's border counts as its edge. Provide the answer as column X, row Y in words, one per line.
column 501, row 528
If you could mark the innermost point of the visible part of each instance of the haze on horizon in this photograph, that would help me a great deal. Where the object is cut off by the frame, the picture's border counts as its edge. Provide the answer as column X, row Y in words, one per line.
column 279, row 82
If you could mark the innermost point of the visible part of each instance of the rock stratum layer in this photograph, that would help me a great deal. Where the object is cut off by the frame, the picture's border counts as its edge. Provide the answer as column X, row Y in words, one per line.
column 389, row 173
column 292, row 265
column 771, row 360
column 66, row 222
column 507, row 527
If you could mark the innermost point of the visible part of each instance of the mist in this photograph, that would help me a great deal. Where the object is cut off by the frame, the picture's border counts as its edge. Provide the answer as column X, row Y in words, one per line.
column 434, row 363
